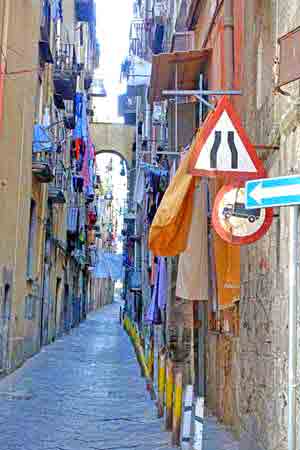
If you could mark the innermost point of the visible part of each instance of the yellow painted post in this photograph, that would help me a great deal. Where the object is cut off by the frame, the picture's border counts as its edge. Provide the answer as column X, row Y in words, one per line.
column 161, row 383
column 169, row 394
column 151, row 359
column 177, row 407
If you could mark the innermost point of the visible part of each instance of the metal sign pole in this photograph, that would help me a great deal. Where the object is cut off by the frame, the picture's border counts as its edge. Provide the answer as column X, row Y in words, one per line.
column 176, row 109
column 292, row 370
column 200, row 102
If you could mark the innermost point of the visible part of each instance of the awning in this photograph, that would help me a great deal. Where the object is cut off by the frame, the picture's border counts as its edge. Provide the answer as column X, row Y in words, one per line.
column 189, row 64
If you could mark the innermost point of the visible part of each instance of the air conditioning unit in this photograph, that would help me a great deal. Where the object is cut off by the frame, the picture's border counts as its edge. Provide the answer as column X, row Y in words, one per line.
column 183, row 41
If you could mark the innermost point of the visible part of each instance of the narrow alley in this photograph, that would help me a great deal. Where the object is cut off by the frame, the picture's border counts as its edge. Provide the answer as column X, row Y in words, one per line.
column 150, row 224
column 85, row 392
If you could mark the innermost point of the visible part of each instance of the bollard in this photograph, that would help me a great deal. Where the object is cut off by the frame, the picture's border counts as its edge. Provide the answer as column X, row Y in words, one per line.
column 151, row 359
column 169, row 394
column 177, row 407
column 199, row 422
column 187, row 417
column 161, row 383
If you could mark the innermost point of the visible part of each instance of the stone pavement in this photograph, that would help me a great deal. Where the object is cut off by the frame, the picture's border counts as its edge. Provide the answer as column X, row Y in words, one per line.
column 84, row 392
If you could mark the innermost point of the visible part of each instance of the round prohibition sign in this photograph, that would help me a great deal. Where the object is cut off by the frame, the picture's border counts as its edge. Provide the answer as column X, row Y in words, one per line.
column 233, row 222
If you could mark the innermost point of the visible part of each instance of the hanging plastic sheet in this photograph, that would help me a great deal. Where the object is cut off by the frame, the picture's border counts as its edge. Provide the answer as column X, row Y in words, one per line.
column 72, row 218
column 139, row 187
column 56, row 10
column 42, row 141
column 81, row 127
column 115, row 265
column 101, row 269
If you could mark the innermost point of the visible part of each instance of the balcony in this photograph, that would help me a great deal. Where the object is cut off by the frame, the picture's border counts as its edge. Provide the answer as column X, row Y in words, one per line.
column 43, row 168
column 58, row 186
column 127, row 108
column 85, row 10
column 43, row 157
column 44, row 43
column 137, row 39
column 65, row 72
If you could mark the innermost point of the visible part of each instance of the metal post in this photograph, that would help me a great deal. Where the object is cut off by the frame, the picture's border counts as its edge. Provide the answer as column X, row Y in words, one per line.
column 202, row 332
column 200, row 102
column 187, row 417
column 176, row 109
column 292, row 371
column 199, row 422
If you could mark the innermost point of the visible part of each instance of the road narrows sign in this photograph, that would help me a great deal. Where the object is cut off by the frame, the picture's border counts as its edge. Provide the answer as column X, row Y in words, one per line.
column 266, row 192
column 223, row 147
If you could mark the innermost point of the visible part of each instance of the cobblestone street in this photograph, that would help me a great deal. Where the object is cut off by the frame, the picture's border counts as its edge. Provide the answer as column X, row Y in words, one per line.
column 85, row 392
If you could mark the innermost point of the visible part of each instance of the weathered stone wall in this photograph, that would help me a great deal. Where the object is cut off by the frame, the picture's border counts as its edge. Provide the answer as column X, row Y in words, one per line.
column 264, row 272
column 223, row 378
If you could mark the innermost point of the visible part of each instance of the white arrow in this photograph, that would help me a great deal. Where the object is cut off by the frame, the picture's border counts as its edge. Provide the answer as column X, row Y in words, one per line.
column 260, row 192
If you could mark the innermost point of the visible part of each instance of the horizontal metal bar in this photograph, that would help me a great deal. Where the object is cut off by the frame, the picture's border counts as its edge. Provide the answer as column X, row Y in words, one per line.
column 198, row 92
column 168, row 153
column 267, row 147
column 147, row 152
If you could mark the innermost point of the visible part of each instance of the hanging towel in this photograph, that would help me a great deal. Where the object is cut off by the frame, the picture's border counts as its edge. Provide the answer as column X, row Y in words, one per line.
column 192, row 277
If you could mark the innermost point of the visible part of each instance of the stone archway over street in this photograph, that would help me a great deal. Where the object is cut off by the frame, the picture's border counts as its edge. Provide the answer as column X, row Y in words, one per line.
column 114, row 138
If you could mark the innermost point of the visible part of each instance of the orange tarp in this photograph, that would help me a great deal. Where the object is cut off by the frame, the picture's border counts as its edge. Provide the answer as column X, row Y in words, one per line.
column 170, row 228
column 227, row 260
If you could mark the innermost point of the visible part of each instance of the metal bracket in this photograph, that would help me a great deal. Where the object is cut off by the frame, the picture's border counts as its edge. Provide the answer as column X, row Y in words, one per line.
column 209, row 105
column 200, row 92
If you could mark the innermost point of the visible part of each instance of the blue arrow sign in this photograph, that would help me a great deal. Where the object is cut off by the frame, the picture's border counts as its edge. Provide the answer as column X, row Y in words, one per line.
column 268, row 192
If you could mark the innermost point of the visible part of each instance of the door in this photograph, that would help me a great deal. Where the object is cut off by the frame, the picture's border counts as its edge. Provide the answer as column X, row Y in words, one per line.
column 66, row 308
column 46, row 295
column 5, row 310
column 57, row 307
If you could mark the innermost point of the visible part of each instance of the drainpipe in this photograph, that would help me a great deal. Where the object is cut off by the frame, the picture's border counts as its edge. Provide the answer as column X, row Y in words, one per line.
column 228, row 43
column 3, row 53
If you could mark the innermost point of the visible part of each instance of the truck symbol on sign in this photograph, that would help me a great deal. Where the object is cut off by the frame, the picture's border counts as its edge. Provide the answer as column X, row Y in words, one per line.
column 239, row 210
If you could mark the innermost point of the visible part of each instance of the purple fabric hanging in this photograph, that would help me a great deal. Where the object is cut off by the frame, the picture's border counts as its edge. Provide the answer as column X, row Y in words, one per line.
column 153, row 314
column 162, row 283
column 159, row 297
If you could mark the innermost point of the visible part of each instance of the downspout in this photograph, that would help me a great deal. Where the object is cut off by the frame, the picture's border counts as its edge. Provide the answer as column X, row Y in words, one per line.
column 3, row 53
column 228, row 43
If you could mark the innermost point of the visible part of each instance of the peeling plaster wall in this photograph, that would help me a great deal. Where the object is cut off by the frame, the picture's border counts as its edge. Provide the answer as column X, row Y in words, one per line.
column 15, row 167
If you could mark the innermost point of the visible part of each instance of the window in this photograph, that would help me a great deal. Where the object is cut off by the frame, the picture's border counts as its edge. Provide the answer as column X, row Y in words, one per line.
column 31, row 240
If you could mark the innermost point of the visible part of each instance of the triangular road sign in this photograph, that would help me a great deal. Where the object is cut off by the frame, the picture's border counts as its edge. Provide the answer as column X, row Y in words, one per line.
column 223, row 147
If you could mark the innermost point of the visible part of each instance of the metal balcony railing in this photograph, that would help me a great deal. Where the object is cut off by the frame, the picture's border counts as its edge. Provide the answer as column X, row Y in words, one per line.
column 65, row 71
column 43, row 166
column 137, row 38
column 59, row 185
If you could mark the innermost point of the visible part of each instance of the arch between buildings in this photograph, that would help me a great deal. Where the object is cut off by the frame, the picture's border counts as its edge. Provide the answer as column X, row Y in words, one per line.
column 114, row 138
